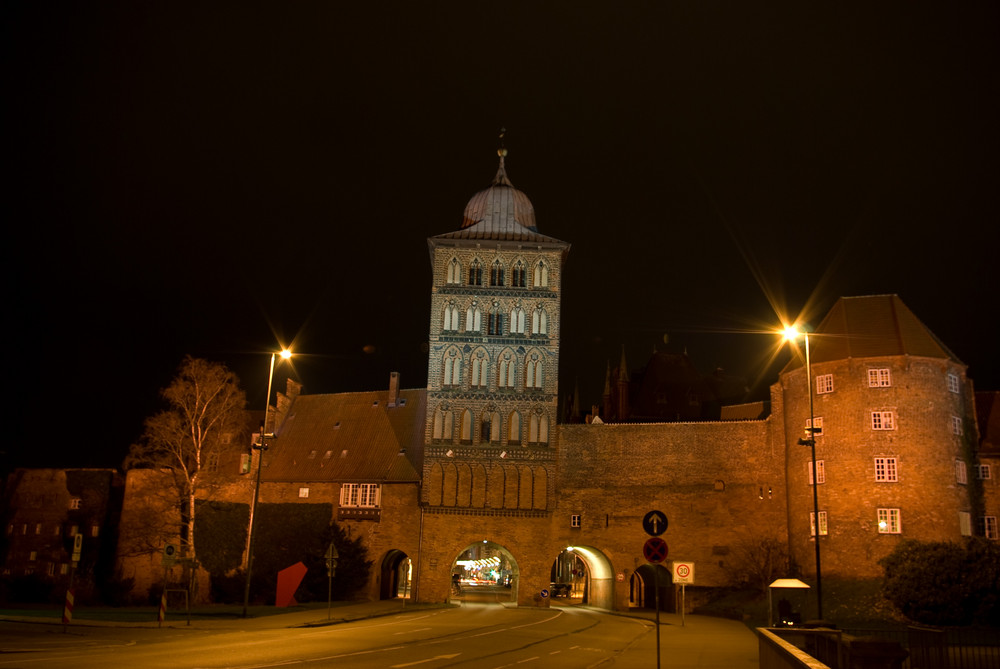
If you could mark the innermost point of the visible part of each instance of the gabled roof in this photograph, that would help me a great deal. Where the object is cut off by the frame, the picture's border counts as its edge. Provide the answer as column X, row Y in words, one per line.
column 869, row 327
column 349, row 437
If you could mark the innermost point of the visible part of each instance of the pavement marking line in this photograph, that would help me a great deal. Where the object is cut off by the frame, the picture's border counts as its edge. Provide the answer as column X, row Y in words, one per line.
column 429, row 659
column 422, row 629
column 530, row 659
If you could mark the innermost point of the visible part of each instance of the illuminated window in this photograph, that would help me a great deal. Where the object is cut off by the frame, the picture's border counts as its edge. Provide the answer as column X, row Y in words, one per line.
column 450, row 318
column 473, row 318
column 538, row 429
column 961, row 476
column 824, row 384
column 988, row 527
column 885, row 470
column 452, row 368
column 953, row 384
column 303, row 492
column 444, row 425
column 517, row 320
column 888, row 521
column 94, row 530
column 822, row 524
column 514, row 428
column 32, row 556
column 360, row 495
column 533, row 371
column 540, row 277
column 480, row 363
column 38, row 528
column 879, row 378
column 507, row 370
column 883, row 420
column 820, row 471
column 466, row 427
column 74, row 503
column 818, row 422
column 539, row 322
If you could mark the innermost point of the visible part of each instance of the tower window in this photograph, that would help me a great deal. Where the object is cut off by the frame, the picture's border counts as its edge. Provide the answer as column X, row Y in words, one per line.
column 518, row 275
column 886, row 470
column 496, row 274
column 475, row 274
column 454, row 271
column 883, row 420
column 879, row 378
column 540, row 277
column 824, row 384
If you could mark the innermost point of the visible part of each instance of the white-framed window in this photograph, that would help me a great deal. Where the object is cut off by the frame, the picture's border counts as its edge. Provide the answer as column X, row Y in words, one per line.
column 74, row 503
column 956, row 425
column 533, row 371
column 820, row 471
column 822, row 524
column 961, row 475
column 473, row 318
column 452, row 368
column 879, row 378
column 824, row 384
column 818, row 422
column 988, row 527
column 965, row 523
column 953, row 384
column 886, row 470
column 480, row 363
column 883, row 420
column 574, row 520
column 303, row 492
column 983, row 472
column 360, row 495
column 888, row 521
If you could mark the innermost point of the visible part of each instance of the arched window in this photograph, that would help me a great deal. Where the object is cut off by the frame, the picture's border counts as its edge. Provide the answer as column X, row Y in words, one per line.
column 514, row 428
column 444, row 424
column 490, row 428
column 451, row 318
column 454, row 271
column 518, row 275
column 475, row 273
column 473, row 319
column 496, row 274
column 467, row 426
column 538, row 429
column 539, row 321
column 517, row 320
column 480, row 363
column 533, row 371
column 507, row 369
column 541, row 275
column 452, row 368
column 494, row 323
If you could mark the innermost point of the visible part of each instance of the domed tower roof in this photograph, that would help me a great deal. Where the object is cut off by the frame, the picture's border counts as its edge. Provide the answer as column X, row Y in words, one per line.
column 501, row 205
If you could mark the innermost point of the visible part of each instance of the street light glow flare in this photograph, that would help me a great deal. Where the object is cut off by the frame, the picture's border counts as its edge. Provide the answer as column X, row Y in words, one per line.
column 790, row 333
column 285, row 353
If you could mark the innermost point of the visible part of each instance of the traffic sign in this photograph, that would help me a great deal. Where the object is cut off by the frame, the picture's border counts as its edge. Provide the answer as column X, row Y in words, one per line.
column 77, row 546
column 544, row 593
column 683, row 572
column 169, row 555
column 655, row 523
column 655, row 550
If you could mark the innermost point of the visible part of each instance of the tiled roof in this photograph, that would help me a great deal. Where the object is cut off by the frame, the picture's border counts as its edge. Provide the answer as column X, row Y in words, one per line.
column 349, row 437
column 871, row 326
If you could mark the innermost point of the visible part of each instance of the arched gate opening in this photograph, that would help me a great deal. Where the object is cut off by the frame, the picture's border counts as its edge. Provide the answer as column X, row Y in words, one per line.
column 484, row 572
column 396, row 575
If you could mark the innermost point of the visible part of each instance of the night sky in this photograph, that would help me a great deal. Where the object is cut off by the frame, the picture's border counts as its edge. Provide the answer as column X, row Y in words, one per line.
column 217, row 178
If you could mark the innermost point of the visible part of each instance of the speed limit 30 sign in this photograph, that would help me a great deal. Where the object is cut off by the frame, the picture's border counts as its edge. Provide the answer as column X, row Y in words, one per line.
column 683, row 572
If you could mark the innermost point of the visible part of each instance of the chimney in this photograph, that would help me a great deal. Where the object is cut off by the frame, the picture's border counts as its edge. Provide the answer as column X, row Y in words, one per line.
column 393, row 388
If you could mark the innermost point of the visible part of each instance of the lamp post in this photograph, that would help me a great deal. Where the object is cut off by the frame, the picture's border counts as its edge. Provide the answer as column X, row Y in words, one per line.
column 790, row 333
column 262, row 446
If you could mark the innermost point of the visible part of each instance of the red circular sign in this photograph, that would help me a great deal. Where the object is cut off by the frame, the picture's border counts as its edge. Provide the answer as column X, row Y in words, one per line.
column 655, row 550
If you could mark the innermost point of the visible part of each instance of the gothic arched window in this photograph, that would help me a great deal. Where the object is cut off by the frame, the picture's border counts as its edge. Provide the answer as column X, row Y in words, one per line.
column 480, row 363
column 444, row 424
column 473, row 318
column 452, row 368
column 494, row 322
column 451, row 318
column 533, row 370
column 538, row 429
column 539, row 321
column 541, row 275
column 467, row 426
column 454, row 271
column 517, row 320
column 506, row 369
column 496, row 274
column 489, row 430
column 475, row 273
column 518, row 275
column 514, row 428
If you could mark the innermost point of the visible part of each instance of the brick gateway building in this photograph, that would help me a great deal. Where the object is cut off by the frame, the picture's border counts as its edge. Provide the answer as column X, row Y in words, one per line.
column 476, row 467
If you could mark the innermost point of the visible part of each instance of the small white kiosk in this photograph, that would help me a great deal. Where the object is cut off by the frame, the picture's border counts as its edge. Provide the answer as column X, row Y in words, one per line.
column 781, row 583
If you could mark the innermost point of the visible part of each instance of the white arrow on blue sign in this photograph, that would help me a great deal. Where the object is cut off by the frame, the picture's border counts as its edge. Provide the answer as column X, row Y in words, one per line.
column 655, row 523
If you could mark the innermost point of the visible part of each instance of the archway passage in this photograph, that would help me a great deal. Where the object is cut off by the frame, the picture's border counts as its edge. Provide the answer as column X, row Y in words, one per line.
column 396, row 575
column 649, row 582
column 589, row 573
column 484, row 572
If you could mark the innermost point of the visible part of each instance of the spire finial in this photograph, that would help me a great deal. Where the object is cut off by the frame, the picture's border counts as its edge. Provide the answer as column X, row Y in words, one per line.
column 502, row 150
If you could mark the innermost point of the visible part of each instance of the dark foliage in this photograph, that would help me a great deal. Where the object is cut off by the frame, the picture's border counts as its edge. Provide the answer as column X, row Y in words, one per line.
column 941, row 583
column 29, row 589
column 220, row 535
column 291, row 533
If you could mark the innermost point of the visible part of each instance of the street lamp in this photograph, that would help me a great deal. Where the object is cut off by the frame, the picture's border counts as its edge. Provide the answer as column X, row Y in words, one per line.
column 262, row 446
column 791, row 333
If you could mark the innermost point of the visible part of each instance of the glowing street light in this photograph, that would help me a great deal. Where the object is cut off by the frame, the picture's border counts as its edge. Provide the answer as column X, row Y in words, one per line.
column 262, row 446
column 791, row 333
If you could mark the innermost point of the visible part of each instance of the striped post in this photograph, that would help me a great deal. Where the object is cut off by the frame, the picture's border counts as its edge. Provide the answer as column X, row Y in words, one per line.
column 163, row 608
column 68, row 608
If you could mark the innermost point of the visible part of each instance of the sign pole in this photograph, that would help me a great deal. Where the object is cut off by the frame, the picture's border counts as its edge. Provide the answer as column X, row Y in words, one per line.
column 683, row 604
column 656, row 599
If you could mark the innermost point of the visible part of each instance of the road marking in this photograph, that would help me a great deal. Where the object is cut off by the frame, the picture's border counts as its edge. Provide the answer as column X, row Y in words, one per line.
column 430, row 659
column 422, row 629
column 530, row 659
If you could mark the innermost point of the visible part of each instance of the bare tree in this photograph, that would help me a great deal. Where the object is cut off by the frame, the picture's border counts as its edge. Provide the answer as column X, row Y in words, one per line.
column 206, row 408
column 759, row 560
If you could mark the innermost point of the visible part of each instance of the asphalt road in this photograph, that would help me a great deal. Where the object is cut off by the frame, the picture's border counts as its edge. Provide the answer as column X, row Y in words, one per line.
column 485, row 636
